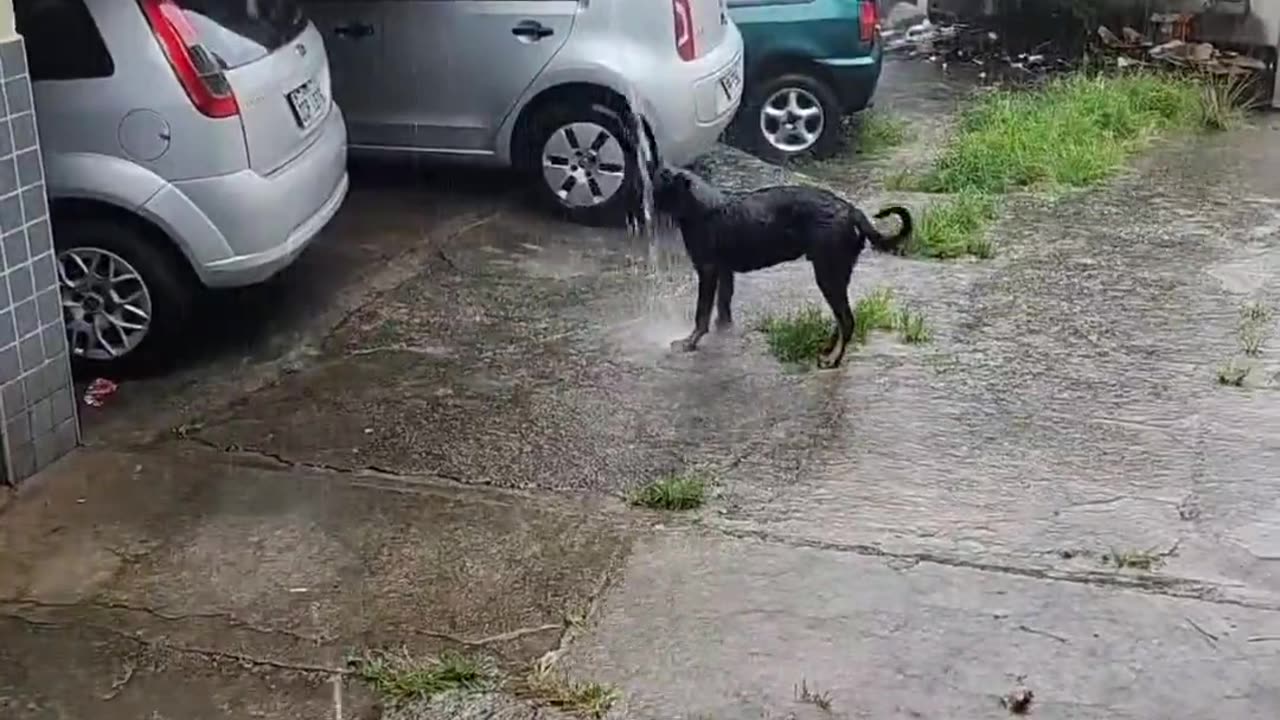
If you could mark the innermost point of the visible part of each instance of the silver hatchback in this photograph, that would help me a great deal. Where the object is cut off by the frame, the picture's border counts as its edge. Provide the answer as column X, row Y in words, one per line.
column 536, row 84
column 187, row 143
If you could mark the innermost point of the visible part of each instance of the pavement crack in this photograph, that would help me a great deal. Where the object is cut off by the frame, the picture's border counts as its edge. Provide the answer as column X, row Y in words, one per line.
column 1043, row 633
column 492, row 639
column 18, row 605
column 1155, row 584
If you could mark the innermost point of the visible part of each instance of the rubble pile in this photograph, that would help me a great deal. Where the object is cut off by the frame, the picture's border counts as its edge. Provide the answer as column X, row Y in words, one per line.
column 1171, row 47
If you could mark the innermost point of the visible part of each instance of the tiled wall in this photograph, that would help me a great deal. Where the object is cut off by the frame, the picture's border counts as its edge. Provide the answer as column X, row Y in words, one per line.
column 36, row 396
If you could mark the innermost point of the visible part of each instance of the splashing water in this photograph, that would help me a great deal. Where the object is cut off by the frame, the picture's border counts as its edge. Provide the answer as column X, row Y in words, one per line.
column 644, row 153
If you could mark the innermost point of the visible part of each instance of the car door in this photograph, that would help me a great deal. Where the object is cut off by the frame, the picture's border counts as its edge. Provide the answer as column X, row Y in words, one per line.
column 354, row 34
column 486, row 53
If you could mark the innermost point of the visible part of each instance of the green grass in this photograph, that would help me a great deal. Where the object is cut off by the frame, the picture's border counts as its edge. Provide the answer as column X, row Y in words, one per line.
column 801, row 335
column 798, row 336
column 1223, row 101
column 1145, row 560
column 875, row 132
column 1232, row 375
column 955, row 228
column 588, row 699
column 683, row 491
column 1075, row 131
column 400, row 677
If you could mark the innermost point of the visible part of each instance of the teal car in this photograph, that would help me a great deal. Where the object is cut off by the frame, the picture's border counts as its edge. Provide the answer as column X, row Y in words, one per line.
column 808, row 64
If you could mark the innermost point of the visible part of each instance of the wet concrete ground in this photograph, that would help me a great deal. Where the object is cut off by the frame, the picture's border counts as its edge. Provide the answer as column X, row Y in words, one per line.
column 436, row 455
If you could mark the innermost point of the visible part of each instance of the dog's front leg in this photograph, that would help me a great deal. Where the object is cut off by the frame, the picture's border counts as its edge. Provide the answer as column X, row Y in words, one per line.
column 724, row 300
column 708, row 278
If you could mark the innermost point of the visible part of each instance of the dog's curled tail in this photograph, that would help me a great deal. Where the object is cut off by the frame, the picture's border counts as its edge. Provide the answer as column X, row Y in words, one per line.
column 880, row 241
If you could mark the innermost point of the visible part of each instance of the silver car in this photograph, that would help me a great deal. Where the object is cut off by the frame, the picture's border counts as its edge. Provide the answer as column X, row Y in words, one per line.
column 535, row 84
column 186, row 143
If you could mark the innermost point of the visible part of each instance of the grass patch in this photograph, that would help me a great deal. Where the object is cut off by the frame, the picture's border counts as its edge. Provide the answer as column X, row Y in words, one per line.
column 1224, row 100
column 800, row 336
column 1232, row 374
column 683, row 491
column 1074, row 131
column 400, row 677
column 1144, row 560
column 589, row 699
column 875, row 132
column 954, row 228
column 874, row 311
column 912, row 328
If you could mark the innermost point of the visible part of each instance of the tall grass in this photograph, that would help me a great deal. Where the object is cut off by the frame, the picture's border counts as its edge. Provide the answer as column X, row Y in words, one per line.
column 1074, row 131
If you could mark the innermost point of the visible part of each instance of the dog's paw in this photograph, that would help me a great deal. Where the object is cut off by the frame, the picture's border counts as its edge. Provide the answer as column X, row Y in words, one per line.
column 684, row 345
column 826, row 363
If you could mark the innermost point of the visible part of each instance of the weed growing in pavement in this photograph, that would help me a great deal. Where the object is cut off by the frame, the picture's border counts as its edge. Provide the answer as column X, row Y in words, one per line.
column 912, row 328
column 1145, row 560
column 955, row 228
column 876, row 131
column 1232, row 374
column 1224, row 100
column 873, row 311
column 400, row 677
column 682, row 491
column 590, row 699
column 802, row 335
column 809, row 695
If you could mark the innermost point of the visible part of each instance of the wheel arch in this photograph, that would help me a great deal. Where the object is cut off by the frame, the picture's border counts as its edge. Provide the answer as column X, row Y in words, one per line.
column 523, row 154
column 78, row 207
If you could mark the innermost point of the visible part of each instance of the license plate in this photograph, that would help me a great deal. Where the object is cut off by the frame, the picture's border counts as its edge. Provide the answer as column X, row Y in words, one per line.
column 730, row 89
column 308, row 103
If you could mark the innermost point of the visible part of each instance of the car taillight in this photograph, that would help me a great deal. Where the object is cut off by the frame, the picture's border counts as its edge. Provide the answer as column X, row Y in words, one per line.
column 684, row 29
column 196, row 68
column 868, row 20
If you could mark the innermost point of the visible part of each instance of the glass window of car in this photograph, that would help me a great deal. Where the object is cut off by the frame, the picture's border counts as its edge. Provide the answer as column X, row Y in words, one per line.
column 239, row 32
column 63, row 42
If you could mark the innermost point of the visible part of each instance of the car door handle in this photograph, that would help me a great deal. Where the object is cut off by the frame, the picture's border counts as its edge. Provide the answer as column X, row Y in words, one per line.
column 531, row 30
column 355, row 31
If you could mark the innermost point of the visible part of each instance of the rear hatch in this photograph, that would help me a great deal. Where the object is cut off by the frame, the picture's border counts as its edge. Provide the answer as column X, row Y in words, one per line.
column 274, row 61
column 700, row 26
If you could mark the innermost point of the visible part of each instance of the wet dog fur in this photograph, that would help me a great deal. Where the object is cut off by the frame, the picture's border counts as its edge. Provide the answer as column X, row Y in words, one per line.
column 725, row 234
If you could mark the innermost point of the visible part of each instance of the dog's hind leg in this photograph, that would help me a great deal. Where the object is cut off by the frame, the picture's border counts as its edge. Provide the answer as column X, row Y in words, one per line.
column 833, row 281
column 724, row 300
column 708, row 278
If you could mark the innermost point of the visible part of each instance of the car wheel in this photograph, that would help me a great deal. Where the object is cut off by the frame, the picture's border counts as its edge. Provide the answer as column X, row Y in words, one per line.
column 584, row 163
column 792, row 116
column 124, row 299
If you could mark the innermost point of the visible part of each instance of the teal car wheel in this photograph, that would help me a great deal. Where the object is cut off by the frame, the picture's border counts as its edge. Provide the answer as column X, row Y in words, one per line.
column 791, row 116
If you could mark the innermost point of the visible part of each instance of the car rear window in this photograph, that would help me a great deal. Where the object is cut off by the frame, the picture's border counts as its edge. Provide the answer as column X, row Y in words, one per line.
column 239, row 32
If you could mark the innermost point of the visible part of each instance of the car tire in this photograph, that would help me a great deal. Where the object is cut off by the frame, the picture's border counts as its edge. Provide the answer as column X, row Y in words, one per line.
column 164, row 289
column 790, row 93
column 560, row 133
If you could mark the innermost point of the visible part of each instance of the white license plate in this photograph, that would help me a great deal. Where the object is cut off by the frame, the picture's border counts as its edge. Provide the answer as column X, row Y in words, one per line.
column 730, row 90
column 308, row 103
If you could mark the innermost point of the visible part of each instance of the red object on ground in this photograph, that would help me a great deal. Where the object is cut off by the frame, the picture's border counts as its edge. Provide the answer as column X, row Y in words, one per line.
column 98, row 391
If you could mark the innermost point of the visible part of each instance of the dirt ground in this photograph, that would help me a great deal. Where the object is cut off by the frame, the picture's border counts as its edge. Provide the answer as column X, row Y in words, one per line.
column 427, row 432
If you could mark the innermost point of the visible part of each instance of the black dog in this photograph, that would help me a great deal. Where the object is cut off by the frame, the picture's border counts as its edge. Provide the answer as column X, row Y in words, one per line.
column 726, row 234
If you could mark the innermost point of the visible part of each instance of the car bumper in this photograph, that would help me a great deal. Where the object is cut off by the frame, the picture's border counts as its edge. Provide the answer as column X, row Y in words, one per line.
column 686, row 124
column 242, row 228
column 854, row 80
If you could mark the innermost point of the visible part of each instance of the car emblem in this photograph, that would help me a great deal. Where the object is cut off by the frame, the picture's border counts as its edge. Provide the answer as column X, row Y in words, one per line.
column 302, row 49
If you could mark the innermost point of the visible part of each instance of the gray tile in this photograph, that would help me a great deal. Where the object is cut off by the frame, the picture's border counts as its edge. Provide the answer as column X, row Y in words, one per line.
column 26, row 318
column 13, row 58
column 10, row 367
column 6, row 141
column 31, row 353
column 8, row 175
column 17, row 94
column 39, row 239
column 11, row 213
column 67, row 435
column 55, row 339
column 8, row 335
column 46, row 449
column 41, row 417
column 15, row 399
column 18, row 430
column 21, row 285
column 63, row 406
column 50, row 306
column 34, row 204
column 25, row 134
column 35, row 386
column 15, row 246
column 43, row 273
column 57, row 374
column 30, row 171
column 23, row 461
